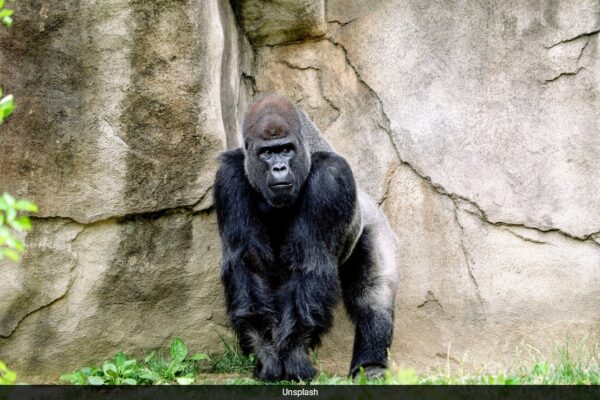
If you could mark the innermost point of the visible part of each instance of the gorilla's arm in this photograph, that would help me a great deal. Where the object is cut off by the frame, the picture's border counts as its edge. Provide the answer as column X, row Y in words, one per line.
column 249, row 303
column 326, row 222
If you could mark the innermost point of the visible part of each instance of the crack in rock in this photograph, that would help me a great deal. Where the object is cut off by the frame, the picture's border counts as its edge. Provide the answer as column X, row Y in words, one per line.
column 570, row 73
column 188, row 208
column 73, row 275
column 320, row 79
column 341, row 23
column 250, row 81
column 583, row 49
column 467, row 256
column 431, row 302
column 585, row 34
column 522, row 237
column 388, row 183
column 481, row 214
column 293, row 66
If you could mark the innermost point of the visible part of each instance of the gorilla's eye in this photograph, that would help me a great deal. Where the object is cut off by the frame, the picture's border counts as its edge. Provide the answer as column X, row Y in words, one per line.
column 265, row 154
column 287, row 151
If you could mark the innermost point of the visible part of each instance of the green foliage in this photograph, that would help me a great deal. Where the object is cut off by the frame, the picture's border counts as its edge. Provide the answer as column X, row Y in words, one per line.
column 7, row 377
column 7, row 105
column 11, row 221
column 12, row 245
column 154, row 369
column 232, row 360
column 567, row 365
column 5, row 15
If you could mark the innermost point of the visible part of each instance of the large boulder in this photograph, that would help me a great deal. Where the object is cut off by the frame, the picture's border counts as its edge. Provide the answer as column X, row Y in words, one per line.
column 122, row 110
column 476, row 129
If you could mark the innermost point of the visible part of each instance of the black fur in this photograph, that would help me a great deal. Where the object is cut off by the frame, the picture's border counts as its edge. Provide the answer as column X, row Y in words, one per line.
column 284, row 267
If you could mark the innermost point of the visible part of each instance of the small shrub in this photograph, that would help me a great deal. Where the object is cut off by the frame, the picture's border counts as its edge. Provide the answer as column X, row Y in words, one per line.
column 154, row 369
column 11, row 221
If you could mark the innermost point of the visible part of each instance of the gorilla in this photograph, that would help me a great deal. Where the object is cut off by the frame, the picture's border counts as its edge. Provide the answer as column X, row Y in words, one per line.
column 297, row 235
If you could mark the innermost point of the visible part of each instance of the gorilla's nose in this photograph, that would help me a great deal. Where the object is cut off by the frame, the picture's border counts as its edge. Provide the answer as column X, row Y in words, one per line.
column 280, row 176
column 280, row 168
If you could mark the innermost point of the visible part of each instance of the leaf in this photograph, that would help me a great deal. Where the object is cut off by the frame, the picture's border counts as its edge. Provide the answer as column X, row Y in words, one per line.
column 175, row 367
column 95, row 380
column 109, row 369
column 7, row 197
column 21, row 223
column 185, row 380
column 1, row 6
column 13, row 255
column 11, row 214
column 18, row 245
column 7, row 21
column 149, row 357
column 120, row 358
column 7, row 104
column 178, row 350
column 149, row 375
column 8, row 378
column 200, row 357
column 25, row 205
column 13, row 243
column 7, row 12
column 129, row 381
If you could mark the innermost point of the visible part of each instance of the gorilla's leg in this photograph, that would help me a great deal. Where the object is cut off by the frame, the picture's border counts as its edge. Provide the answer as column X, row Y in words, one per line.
column 252, row 314
column 368, row 292
column 307, row 302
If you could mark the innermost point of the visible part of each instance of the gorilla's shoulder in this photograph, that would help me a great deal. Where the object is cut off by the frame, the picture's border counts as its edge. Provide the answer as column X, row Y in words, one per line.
column 330, row 175
column 330, row 163
column 232, row 157
column 231, row 171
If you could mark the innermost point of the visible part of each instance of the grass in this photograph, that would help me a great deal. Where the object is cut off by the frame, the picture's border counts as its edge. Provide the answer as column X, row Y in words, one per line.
column 568, row 364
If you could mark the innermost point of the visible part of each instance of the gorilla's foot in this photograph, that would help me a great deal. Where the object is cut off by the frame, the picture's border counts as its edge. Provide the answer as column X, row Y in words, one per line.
column 297, row 366
column 374, row 371
column 268, row 370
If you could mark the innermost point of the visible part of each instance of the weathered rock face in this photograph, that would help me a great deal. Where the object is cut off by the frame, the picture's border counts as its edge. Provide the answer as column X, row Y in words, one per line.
column 121, row 104
column 123, row 108
column 269, row 22
column 475, row 126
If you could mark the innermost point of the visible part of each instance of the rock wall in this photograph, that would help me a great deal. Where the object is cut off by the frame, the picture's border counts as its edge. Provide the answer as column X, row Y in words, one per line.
column 474, row 125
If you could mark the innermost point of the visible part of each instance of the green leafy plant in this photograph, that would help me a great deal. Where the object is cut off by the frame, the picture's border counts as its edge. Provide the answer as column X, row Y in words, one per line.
column 12, row 220
column 7, row 377
column 231, row 360
column 7, row 105
column 5, row 14
column 154, row 369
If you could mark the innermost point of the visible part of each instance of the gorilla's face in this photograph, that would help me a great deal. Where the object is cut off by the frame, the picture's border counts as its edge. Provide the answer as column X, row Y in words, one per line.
column 277, row 163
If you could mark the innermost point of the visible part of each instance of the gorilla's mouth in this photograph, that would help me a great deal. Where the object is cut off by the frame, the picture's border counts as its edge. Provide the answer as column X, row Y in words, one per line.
column 281, row 185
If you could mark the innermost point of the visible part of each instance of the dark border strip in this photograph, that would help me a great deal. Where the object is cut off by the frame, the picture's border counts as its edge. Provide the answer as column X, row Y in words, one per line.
column 235, row 392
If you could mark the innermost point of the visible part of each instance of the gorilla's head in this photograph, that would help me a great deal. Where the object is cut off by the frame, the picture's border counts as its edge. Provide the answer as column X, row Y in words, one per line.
column 277, row 159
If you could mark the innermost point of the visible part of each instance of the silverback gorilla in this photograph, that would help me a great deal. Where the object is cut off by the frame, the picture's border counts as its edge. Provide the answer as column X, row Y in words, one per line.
column 296, row 236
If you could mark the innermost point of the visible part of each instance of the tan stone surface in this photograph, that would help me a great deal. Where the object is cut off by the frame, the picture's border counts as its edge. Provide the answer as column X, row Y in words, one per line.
column 475, row 126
